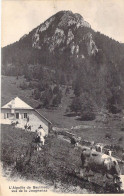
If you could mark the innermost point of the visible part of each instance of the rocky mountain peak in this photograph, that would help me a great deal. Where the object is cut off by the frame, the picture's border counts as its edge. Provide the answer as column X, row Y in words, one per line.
column 60, row 32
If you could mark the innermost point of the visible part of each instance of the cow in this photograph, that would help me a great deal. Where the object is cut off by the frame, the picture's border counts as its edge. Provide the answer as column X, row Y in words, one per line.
column 75, row 141
column 37, row 140
column 99, row 147
column 108, row 152
column 101, row 163
column 14, row 123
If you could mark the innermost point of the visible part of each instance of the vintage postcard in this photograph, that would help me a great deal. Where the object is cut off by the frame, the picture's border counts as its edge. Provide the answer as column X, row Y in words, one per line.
column 62, row 97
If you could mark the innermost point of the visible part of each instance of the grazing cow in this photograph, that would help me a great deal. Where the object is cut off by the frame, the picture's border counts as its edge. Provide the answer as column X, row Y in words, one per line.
column 37, row 140
column 14, row 123
column 75, row 141
column 108, row 152
column 99, row 147
column 101, row 163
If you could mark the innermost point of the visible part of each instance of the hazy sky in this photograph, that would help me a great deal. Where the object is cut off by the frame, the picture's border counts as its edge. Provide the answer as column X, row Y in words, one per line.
column 19, row 17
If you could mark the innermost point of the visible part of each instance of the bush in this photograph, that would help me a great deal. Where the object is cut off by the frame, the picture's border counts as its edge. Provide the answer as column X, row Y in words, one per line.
column 117, row 148
column 108, row 135
column 33, row 84
column 120, row 139
column 36, row 94
column 67, row 110
column 56, row 90
column 57, row 99
column 47, row 97
column 88, row 116
column 75, row 105
column 122, row 129
column 23, row 85
column 67, row 90
column 43, row 85
column 39, row 106
column 114, row 109
column 87, row 110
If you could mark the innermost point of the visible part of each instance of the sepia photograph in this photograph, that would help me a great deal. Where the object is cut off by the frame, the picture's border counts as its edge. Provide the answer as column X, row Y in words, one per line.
column 62, row 97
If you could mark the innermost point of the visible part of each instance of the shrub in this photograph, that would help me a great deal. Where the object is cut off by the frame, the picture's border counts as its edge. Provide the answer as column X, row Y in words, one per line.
column 114, row 109
column 88, row 116
column 36, row 94
column 46, row 97
column 39, row 106
column 57, row 99
column 118, row 148
column 43, row 85
column 87, row 112
column 76, row 105
column 122, row 129
column 67, row 110
column 23, row 85
column 67, row 90
column 120, row 139
column 108, row 135
column 56, row 90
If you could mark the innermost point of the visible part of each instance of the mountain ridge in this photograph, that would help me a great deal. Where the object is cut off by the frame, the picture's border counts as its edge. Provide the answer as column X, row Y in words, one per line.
column 65, row 49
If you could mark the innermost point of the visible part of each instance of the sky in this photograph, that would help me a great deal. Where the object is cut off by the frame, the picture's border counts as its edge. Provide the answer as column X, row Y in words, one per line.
column 19, row 17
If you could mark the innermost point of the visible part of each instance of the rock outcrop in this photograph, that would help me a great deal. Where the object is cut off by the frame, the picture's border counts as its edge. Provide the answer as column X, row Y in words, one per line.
column 91, row 46
column 61, row 32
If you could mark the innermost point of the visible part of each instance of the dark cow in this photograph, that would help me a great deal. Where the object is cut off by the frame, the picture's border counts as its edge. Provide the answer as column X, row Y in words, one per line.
column 38, row 142
column 27, row 127
column 14, row 123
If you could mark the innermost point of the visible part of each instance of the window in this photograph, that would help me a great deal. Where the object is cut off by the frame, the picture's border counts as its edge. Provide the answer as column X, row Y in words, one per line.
column 8, row 115
column 25, row 115
column 17, row 115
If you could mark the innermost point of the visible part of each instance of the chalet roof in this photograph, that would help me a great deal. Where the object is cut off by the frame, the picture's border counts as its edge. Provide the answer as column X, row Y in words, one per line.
column 43, row 117
column 17, row 103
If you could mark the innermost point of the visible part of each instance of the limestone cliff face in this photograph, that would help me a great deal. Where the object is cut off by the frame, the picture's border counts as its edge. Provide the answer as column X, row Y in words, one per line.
column 91, row 46
column 70, row 36
column 61, row 32
column 36, row 37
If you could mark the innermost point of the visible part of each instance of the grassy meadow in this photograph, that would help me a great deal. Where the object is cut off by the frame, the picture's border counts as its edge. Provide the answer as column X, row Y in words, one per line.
column 58, row 160
column 55, row 165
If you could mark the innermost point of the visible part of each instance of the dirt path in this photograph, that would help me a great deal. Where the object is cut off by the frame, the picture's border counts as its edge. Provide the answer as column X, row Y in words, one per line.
column 8, row 181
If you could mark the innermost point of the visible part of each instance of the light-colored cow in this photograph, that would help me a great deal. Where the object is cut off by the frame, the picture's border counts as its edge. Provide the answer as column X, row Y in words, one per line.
column 101, row 163
column 99, row 147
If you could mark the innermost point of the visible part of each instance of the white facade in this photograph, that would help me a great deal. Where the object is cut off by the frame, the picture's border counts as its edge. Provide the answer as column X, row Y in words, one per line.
column 17, row 110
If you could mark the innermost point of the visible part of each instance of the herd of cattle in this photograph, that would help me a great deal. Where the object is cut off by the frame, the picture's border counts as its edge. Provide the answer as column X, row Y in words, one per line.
column 93, row 159
column 99, row 162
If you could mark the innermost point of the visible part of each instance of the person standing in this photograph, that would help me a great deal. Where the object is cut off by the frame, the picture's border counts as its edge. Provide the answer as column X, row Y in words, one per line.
column 41, row 133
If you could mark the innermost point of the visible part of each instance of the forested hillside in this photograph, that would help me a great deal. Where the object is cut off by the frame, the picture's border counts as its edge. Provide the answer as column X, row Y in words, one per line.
column 65, row 50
